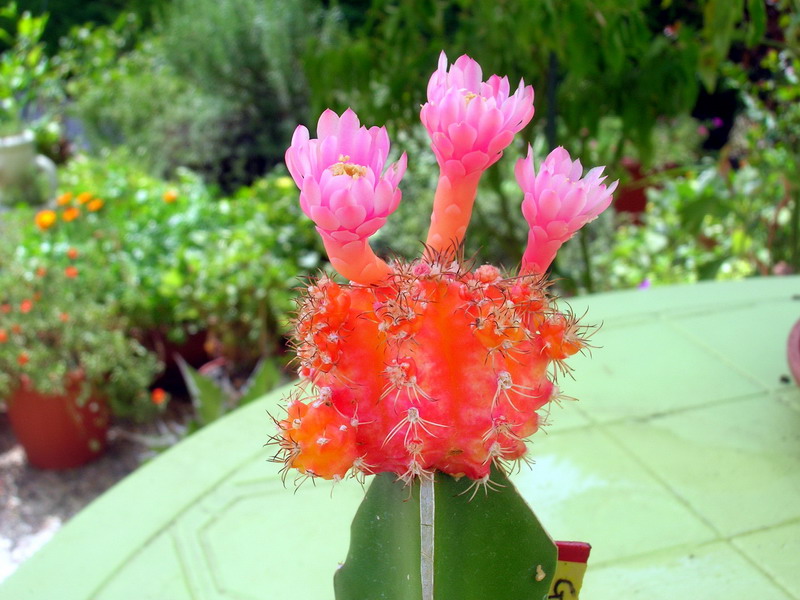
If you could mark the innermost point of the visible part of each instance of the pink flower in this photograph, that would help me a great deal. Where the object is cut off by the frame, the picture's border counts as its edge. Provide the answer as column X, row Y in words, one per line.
column 340, row 175
column 558, row 201
column 470, row 121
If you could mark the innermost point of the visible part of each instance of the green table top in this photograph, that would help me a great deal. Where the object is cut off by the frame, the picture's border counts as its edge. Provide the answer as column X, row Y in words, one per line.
column 680, row 465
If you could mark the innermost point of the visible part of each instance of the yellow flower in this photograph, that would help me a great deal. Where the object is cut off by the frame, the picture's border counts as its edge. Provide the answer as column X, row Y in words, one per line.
column 170, row 195
column 45, row 219
column 95, row 205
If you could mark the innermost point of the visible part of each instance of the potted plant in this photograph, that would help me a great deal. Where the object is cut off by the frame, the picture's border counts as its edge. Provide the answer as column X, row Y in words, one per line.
column 431, row 374
column 24, row 79
column 66, row 363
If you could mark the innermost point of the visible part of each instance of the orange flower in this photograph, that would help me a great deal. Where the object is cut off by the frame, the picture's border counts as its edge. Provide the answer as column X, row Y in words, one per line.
column 71, row 272
column 64, row 199
column 23, row 359
column 71, row 214
column 3, row 336
column 158, row 396
column 84, row 197
column 95, row 205
column 16, row 329
column 41, row 272
column 63, row 317
column 25, row 306
column 72, row 253
column 170, row 195
column 45, row 219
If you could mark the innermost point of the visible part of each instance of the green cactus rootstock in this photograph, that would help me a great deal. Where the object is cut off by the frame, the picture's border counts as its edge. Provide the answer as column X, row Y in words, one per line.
column 488, row 544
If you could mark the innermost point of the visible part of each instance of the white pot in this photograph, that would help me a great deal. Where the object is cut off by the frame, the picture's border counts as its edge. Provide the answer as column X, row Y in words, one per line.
column 21, row 170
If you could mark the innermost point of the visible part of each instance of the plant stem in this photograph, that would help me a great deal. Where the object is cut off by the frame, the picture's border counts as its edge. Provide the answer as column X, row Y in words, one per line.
column 426, row 515
column 795, row 235
column 588, row 280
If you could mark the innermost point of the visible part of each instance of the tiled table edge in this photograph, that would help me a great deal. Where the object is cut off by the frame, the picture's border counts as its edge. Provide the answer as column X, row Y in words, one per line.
column 110, row 514
column 142, row 488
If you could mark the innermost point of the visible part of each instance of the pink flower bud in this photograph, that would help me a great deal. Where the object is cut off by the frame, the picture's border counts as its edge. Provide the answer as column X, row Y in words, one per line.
column 343, row 188
column 471, row 121
column 558, row 201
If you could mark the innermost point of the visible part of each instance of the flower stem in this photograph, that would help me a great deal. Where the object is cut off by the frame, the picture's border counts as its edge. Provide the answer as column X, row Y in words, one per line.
column 426, row 530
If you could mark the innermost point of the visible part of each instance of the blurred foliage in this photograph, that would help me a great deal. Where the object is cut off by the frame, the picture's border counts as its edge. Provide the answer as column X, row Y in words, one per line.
column 26, row 83
column 213, row 398
column 636, row 60
column 66, row 14
column 734, row 217
column 188, row 261
column 219, row 87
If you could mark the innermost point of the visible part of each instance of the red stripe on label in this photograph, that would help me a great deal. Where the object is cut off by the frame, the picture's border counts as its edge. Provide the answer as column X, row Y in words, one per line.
column 577, row 552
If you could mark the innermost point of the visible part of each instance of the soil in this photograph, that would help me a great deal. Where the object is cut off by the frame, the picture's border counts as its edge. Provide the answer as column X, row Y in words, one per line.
column 34, row 503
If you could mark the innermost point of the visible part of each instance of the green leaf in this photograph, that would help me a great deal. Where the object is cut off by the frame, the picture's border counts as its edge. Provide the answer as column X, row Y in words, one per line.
column 758, row 21
column 207, row 397
column 265, row 378
column 490, row 545
column 383, row 561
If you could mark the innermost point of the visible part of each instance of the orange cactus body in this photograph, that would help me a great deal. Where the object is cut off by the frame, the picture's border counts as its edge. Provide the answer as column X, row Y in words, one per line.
column 436, row 369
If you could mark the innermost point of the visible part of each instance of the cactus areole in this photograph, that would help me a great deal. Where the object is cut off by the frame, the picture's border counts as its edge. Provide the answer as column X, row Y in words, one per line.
column 433, row 364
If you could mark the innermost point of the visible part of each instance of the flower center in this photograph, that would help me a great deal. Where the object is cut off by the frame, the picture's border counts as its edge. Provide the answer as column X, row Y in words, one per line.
column 345, row 167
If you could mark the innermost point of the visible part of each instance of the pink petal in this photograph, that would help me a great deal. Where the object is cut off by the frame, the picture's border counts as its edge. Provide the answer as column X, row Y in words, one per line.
column 462, row 135
column 350, row 217
column 323, row 217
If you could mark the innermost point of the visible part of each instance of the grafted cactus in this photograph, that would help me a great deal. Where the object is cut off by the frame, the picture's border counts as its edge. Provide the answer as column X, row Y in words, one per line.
column 432, row 370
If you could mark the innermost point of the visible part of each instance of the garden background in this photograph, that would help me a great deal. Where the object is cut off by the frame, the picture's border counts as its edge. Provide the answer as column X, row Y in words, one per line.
column 176, row 227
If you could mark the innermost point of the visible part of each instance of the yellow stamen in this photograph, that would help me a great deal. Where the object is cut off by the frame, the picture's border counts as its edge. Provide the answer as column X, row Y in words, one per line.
column 470, row 95
column 344, row 167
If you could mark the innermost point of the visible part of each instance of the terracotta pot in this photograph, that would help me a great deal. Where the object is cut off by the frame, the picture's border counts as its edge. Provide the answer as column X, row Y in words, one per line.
column 793, row 352
column 58, row 431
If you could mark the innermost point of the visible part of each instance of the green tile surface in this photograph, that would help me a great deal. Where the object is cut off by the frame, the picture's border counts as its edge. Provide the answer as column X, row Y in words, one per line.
column 776, row 550
column 714, row 572
column 680, row 464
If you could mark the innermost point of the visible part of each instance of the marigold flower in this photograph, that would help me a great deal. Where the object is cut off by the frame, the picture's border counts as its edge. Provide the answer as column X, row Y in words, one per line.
column 72, row 253
column 344, row 189
column 71, row 272
column 71, row 214
column 170, row 196
column 45, row 219
column 84, row 197
column 95, row 205
column 3, row 336
column 158, row 396
column 25, row 306
column 23, row 359
column 41, row 272
column 63, row 317
column 64, row 199
column 558, row 201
